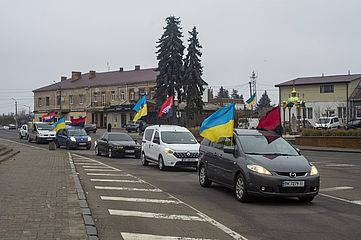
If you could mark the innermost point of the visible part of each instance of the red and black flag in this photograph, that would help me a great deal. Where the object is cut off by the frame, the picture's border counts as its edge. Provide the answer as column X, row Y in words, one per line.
column 166, row 110
column 78, row 122
column 271, row 121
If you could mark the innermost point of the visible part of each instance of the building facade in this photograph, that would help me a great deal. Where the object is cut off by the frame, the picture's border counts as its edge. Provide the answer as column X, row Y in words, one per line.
column 337, row 95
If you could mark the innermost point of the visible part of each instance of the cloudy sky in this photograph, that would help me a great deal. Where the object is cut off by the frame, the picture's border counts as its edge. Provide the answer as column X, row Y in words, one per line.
column 42, row 40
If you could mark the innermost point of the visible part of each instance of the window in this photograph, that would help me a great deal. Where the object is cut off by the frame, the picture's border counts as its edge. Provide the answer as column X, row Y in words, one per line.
column 131, row 96
column 330, row 113
column 148, row 134
column 113, row 96
column 58, row 100
column 122, row 95
column 326, row 89
column 341, row 112
column 95, row 97
column 309, row 113
column 156, row 137
column 39, row 102
column 358, row 112
column 47, row 100
column 71, row 99
column 103, row 99
column 81, row 99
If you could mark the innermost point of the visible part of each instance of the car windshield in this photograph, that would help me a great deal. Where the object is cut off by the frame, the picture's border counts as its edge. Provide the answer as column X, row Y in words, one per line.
column 178, row 138
column 324, row 120
column 44, row 127
column 76, row 132
column 119, row 137
column 259, row 145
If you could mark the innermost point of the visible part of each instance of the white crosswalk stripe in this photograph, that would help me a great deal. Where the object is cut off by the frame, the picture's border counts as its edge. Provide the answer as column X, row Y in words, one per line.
column 115, row 180
column 139, row 236
column 141, row 200
column 109, row 174
column 129, row 189
column 101, row 170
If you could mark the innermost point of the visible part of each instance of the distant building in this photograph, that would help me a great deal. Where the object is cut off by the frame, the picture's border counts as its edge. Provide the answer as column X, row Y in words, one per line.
column 337, row 95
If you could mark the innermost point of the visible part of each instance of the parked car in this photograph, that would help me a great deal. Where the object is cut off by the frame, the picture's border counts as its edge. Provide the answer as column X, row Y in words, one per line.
column 137, row 126
column 73, row 138
column 90, row 128
column 169, row 146
column 117, row 144
column 12, row 126
column 23, row 131
column 356, row 123
column 327, row 123
column 40, row 132
column 258, row 163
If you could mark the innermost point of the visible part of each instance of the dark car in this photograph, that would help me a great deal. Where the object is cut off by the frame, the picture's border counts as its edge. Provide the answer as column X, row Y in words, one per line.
column 137, row 126
column 258, row 163
column 117, row 144
column 356, row 123
column 90, row 128
column 72, row 138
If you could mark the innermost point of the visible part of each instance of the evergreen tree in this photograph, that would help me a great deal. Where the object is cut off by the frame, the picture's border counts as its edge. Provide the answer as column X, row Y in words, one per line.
column 193, row 83
column 241, row 97
column 235, row 94
column 223, row 93
column 170, row 61
column 264, row 101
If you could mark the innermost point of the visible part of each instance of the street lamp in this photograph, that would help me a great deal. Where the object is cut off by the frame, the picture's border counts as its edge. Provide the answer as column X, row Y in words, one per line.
column 16, row 113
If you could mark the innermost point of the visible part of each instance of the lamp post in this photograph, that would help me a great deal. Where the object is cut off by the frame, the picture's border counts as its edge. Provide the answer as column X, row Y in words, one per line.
column 16, row 113
column 284, row 106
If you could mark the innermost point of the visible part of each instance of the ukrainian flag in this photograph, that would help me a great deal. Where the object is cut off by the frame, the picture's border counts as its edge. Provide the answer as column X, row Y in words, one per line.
column 60, row 124
column 219, row 124
column 250, row 101
column 140, row 108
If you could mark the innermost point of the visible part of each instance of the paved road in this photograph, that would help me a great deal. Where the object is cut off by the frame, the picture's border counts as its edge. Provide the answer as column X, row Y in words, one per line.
column 130, row 200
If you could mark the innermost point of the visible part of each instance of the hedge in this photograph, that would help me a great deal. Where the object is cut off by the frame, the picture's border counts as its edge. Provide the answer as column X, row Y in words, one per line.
column 331, row 132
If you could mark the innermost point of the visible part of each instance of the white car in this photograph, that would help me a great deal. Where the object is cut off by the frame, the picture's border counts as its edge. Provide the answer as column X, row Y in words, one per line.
column 23, row 132
column 41, row 132
column 327, row 123
column 169, row 146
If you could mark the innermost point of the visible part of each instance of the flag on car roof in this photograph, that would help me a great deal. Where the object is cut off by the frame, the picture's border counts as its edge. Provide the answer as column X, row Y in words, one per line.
column 141, row 108
column 48, row 117
column 271, row 121
column 219, row 124
column 60, row 124
column 78, row 122
column 166, row 110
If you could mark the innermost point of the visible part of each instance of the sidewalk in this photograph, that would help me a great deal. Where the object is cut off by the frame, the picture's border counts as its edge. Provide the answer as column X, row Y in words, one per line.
column 38, row 199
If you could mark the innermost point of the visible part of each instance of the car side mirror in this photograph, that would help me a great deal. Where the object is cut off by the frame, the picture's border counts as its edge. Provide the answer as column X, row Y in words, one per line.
column 229, row 150
column 298, row 150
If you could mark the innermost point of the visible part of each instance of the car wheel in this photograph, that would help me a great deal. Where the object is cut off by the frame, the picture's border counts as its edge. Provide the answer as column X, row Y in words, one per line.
column 29, row 139
column 110, row 152
column 161, row 163
column 88, row 147
column 68, row 145
column 203, row 177
column 20, row 136
column 306, row 199
column 240, row 188
column 97, row 152
column 144, row 160
column 26, row 137
column 37, row 140
column 95, row 131
column 128, row 131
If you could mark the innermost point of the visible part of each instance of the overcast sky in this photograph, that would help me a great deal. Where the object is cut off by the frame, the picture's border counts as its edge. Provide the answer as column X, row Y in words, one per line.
column 42, row 40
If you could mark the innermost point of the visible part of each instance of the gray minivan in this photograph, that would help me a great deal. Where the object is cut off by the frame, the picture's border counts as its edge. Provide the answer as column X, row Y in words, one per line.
column 258, row 163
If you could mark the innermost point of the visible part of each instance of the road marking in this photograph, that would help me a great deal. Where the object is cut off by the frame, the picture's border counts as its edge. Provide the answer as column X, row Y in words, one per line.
column 96, row 167
column 143, row 200
column 126, row 213
column 115, row 180
column 357, row 202
column 340, row 165
column 335, row 189
column 109, row 174
column 102, row 170
column 129, row 189
column 139, row 236
column 87, row 163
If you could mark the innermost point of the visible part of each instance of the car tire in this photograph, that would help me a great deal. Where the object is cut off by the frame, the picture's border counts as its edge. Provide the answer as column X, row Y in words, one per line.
column 144, row 160
column 37, row 140
column 240, row 188
column 97, row 152
column 203, row 177
column 161, row 163
column 306, row 199
column 128, row 131
column 20, row 136
column 29, row 139
column 68, row 145
column 88, row 147
column 94, row 131
column 110, row 153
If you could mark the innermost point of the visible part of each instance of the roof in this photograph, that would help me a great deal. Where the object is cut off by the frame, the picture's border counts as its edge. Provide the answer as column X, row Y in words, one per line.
column 252, row 132
column 321, row 80
column 105, row 79
column 169, row 128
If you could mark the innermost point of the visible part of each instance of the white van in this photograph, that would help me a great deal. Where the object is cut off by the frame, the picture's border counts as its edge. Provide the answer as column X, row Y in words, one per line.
column 40, row 132
column 327, row 123
column 169, row 146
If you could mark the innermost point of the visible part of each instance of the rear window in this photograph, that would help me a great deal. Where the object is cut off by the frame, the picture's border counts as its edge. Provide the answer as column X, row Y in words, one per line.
column 148, row 134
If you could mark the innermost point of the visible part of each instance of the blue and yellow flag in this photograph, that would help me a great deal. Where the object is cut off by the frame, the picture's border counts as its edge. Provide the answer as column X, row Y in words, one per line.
column 140, row 108
column 251, row 100
column 60, row 124
column 219, row 124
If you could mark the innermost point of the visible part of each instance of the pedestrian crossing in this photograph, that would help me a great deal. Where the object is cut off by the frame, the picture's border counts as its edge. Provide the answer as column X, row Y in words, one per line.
column 133, row 199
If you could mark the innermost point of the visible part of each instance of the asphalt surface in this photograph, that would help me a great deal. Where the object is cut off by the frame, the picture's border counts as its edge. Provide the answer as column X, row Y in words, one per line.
column 179, row 207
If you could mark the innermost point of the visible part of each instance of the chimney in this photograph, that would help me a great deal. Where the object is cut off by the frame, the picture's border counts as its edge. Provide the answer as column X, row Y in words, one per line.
column 121, row 69
column 92, row 74
column 349, row 72
column 75, row 75
column 323, row 74
column 62, row 78
column 137, row 67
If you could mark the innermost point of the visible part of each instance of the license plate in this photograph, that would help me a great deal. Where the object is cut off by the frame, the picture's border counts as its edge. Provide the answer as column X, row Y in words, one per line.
column 293, row 183
column 189, row 159
column 49, row 139
column 129, row 151
column 82, row 144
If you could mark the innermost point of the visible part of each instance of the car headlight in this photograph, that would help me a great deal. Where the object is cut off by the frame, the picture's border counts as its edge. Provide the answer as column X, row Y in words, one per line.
column 119, row 147
column 258, row 169
column 89, row 139
column 168, row 151
column 313, row 171
column 72, row 139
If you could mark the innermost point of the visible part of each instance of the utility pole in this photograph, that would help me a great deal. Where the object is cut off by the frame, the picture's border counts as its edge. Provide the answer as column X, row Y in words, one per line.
column 16, row 113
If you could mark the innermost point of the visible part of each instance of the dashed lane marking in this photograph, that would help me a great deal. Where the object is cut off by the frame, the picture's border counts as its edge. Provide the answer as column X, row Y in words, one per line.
column 357, row 202
column 115, row 180
column 126, row 213
column 129, row 189
column 87, row 163
column 335, row 189
column 141, row 200
column 340, row 165
column 139, row 236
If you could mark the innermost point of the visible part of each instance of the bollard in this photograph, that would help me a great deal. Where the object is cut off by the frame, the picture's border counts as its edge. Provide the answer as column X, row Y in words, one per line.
column 52, row 145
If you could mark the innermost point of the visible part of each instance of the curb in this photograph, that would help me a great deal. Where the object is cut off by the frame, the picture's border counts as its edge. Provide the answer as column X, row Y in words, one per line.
column 329, row 150
column 89, row 223
column 9, row 156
